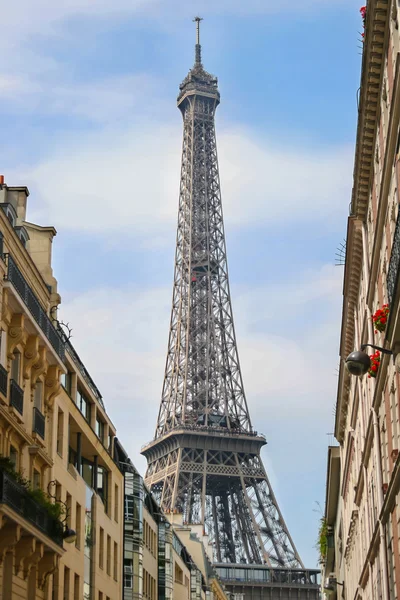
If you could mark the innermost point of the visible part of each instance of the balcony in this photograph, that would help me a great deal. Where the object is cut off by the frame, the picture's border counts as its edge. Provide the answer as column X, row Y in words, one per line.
column 393, row 270
column 38, row 422
column 15, row 277
column 16, row 397
column 15, row 496
column 3, row 380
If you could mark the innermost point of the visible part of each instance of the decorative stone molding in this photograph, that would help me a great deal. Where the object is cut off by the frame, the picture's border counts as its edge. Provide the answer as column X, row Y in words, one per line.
column 31, row 354
column 32, row 561
column 27, row 553
column 52, row 386
column 39, row 366
column 369, row 107
column 10, row 534
column 16, row 334
column 46, row 566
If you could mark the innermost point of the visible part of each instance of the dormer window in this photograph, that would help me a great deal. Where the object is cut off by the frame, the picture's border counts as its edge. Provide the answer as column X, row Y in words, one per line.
column 22, row 234
column 10, row 212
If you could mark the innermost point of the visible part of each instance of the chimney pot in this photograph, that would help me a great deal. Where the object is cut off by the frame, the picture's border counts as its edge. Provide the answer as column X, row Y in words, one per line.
column 1, row 179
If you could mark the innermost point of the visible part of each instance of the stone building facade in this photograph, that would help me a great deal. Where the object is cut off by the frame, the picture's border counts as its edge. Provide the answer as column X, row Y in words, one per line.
column 54, row 433
column 360, row 538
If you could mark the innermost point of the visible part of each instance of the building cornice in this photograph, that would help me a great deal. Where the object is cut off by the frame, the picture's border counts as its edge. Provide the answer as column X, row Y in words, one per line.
column 351, row 286
column 369, row 104
column 390, row 152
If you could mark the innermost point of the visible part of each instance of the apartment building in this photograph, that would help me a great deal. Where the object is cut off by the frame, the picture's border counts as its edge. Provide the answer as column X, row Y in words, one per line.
column 359, row 537
column 56, row 439
column 163, row 560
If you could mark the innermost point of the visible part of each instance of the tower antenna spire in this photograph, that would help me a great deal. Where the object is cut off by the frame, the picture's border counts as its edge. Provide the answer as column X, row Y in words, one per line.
column 198, row 46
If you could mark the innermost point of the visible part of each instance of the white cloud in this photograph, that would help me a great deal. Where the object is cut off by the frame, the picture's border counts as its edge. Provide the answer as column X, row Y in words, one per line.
column 108, row 180
column 108, row 100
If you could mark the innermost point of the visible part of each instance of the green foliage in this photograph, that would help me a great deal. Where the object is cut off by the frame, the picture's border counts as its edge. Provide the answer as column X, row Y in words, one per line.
column 54, row 509
column 323, row 539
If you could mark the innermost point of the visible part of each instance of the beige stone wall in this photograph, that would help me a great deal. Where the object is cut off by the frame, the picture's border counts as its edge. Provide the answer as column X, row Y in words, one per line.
column 181, row 576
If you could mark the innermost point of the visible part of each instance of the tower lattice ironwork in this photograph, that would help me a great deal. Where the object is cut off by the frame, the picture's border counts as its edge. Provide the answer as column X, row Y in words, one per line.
column 204, row 461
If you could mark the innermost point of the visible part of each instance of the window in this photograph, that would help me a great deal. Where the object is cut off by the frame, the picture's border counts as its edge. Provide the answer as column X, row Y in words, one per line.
column 128, row 573
column 15, row 366
column 178, row 574
column 83, row 405
column 102, row 486
column 67, row 578
column 108, row 565
column 36, row 480
column 38, row 396
column 110, row 441
column 100, row 429
column 14, row 457
column 10, row 216
column 115, row 561
column 101, row 548
column 66, row 382
column 58, row 492
column 69, row 506
column 78, row 525
column 76, row 587
column 60, row 432
column 116, row 503
column 100, row 595
column 129, row 505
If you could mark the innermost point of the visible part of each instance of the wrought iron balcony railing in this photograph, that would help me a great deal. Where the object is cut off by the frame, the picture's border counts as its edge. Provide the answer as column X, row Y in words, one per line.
column 394, row 264
column 16, row 497
column 16, row 397
column 3, row 380
column 38, row 422
column 15, row 276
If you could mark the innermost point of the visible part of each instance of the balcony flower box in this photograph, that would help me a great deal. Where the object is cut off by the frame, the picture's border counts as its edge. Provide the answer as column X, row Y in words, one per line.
column 375, row 362
column 380, row 318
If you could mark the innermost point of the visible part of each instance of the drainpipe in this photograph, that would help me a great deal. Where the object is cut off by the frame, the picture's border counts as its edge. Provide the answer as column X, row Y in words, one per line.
column 382, row 545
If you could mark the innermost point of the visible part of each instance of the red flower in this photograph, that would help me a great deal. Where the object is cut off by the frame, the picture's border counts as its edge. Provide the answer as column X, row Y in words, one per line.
column 383, row 320
column 374, row 368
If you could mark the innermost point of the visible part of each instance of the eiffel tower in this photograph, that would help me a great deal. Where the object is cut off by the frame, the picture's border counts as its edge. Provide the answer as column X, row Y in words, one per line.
column 204, row 462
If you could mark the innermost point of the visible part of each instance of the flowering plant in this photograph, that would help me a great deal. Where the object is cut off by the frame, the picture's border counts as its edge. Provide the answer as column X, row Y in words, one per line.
column 363, row 11
column 375, row 362
column 379, row 319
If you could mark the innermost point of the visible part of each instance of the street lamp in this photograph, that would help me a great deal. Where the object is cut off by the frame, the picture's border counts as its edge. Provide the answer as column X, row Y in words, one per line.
column 358, row 362
column 69, row 535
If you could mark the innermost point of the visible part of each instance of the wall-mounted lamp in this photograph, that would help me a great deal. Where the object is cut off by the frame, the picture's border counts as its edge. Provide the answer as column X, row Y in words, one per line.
column 358, row 362
column 331, row 583
column 69, row 535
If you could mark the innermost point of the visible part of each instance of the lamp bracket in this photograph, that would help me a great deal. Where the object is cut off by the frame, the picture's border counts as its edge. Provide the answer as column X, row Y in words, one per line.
column 383, row 350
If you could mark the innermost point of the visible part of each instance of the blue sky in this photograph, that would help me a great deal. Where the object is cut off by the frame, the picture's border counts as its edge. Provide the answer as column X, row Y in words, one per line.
column 90, row 125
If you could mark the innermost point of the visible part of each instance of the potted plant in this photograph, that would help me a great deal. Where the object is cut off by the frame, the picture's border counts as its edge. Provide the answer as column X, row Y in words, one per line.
column 380, row 318
column 323, row 540
column 375, row 362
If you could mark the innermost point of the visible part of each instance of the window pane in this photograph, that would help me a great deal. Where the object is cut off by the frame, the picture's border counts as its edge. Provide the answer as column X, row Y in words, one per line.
column 37, row 400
